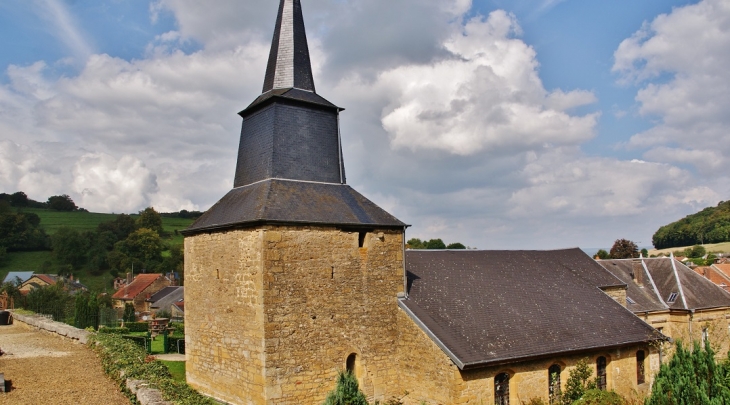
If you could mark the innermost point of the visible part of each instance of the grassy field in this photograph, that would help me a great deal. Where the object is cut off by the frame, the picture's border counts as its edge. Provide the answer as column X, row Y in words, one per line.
column 710, row 247
column 82, row 221
column 177, row 369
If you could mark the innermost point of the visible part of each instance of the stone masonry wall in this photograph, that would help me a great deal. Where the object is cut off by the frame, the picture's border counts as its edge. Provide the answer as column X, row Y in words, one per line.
column 687, row 328
column 430, row 377
column 224, row 323
column 139, row 301
column 326, row 298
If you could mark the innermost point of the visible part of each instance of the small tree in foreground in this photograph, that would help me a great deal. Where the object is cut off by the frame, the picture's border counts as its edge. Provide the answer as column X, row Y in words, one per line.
column 579, row 381
column 692, row 378
column 347, row 391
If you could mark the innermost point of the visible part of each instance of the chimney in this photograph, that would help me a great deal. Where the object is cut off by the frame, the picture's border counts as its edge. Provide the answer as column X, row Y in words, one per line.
column 129, row 278
column 637, row 269
column 71, row 277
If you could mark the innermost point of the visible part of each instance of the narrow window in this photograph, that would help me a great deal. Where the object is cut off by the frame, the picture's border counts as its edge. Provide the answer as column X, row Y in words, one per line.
column 601, row 373
column 554, row 384
column 350, row 363
column 705, row 335
column 640, row 367
column 361, row 239
column 501, row 389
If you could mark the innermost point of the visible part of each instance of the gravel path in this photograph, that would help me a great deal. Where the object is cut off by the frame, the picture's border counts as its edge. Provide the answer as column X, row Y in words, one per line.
column 48, row 369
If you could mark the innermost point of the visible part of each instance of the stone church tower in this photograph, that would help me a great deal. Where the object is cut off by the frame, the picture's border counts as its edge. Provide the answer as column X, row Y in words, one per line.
column 292, row 275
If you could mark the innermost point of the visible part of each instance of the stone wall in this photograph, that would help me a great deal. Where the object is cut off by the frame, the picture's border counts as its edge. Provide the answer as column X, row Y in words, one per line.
column 140, row 304
column 224, row 323
column 617, row 293
column 278, row 310
column 428, row 375
column 687, row 327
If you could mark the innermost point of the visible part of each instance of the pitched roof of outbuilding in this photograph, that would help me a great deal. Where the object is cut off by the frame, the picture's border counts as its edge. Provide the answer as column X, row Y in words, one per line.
column 496, row 307
column 293, row 202
column 139, row 284
column 12, row 276
column 660, row 278
column 166, row 297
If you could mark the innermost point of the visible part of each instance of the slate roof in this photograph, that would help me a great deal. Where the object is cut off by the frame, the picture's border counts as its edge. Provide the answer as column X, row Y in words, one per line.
column 293, row 202
column 165, row 298
column 291, row 94
column 22, row 275
column 496, row 307
column 289, row 64
column 139, row 284
column 658, row 278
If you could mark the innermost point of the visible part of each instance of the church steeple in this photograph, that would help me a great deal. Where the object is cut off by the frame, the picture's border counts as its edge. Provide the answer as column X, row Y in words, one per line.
column 289, row 65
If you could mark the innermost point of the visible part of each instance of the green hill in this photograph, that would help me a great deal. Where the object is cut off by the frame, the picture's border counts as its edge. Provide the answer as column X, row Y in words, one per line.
column 711, row 225
column 52, row 221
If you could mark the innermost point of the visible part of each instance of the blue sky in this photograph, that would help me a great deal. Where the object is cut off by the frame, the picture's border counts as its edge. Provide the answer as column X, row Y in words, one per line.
column 552, row 123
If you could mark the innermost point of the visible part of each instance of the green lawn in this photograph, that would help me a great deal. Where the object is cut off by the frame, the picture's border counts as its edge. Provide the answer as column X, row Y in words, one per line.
column 177, row 369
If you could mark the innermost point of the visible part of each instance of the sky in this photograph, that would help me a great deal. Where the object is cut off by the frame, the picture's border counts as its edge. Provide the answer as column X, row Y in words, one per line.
column 500, row 124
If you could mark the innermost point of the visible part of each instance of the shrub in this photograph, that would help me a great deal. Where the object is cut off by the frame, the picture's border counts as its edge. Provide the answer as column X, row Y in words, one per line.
column 535, row 401
column 137, row 326
column 347, row 391
column 122, row 359
column 599, row 397
column 579, row 381
column 116, row 331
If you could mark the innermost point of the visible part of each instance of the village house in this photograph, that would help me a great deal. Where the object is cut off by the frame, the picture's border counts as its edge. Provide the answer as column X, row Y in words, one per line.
column 138, row 291
column 676, row 300
column 293, row 276
column 46, row 280
column 164, row 300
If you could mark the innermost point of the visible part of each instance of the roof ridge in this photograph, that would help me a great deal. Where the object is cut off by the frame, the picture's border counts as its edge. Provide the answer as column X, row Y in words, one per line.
column 653, row 284
column 679, row 282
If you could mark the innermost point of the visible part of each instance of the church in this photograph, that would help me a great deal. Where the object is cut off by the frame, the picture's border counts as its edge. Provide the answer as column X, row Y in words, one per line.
column 293, row 276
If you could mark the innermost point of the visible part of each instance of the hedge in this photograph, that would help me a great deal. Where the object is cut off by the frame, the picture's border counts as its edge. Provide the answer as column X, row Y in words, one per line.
column 118, row 331
column 122, row 360
column 137, row 326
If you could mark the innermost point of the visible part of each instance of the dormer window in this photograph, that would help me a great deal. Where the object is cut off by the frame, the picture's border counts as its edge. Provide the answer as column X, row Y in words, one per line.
column 672, row 298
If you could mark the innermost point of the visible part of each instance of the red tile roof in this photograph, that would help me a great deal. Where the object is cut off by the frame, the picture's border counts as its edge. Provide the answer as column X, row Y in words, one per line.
column 725, row 268
column 47, row 278
column 180, row 305
column 138, row 285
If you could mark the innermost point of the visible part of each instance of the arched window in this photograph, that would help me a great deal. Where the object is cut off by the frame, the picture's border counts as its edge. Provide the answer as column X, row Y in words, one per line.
column 501, row 389
column 601, row 373
column 640, row 356
column 351, row 363
column 554, row 384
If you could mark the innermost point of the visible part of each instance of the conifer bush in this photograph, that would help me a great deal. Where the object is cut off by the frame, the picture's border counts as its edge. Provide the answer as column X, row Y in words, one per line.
column 347, row 391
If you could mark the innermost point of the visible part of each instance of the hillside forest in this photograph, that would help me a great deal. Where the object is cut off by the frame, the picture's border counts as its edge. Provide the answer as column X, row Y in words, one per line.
column 711, row 225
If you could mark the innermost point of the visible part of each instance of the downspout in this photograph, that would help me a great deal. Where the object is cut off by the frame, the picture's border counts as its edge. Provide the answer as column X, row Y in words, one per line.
column 691, row 318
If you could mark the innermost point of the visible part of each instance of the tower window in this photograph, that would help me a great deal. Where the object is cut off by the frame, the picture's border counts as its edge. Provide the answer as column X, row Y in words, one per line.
column 554, row 384
column 601, row 373
column 640, row 376
column 501, row 389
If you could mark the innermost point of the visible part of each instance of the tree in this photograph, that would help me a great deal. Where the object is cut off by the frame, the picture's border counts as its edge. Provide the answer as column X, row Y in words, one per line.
column 415, row 243
column 624, row 249
column 121, row 227
column 129, row 315
column 21, row 231
column 579, row 381
column 143, row 245
column 150, row 219
column 691, row 377
column 696, row 252
column 644, row 252
column 69, row 246
column 456, row 245
column 602, row 254
column 19, row 199
column 61, row 203
column 435, row 244
column 347, row 391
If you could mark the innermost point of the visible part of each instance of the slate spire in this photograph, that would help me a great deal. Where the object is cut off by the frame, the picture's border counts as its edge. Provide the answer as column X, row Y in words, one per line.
column 289, row 65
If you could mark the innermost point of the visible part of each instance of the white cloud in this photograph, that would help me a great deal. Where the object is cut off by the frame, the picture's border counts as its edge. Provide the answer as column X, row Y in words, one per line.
column 487, row 97
column 107, row 184
column 681, row 61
